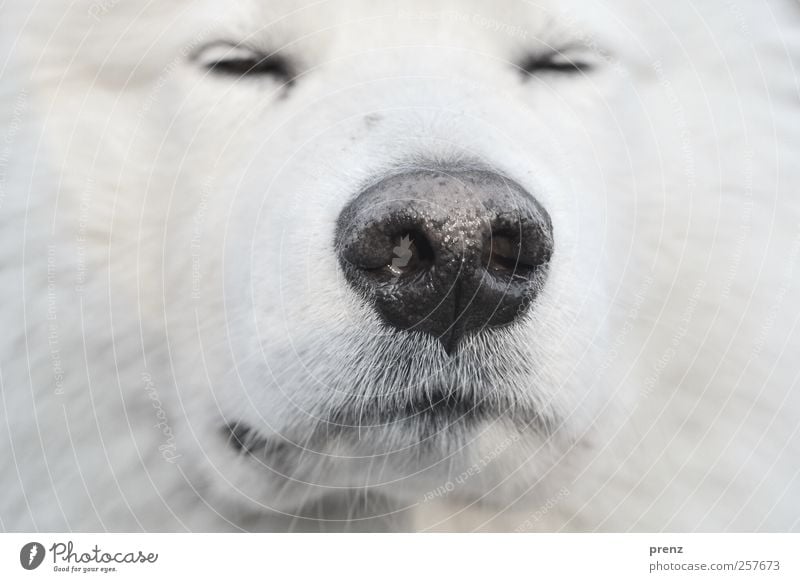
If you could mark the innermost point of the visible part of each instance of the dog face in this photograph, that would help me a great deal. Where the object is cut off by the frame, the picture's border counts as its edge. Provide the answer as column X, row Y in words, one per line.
column 363, row 245
column 326, row 145
column 381, row 231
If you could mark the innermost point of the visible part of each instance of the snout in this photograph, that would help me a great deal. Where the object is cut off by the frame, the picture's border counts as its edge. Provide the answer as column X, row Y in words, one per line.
column 445, row 253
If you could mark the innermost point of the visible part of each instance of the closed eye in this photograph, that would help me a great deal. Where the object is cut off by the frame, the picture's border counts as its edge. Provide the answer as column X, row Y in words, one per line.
column 224, row 58
column 555, row 61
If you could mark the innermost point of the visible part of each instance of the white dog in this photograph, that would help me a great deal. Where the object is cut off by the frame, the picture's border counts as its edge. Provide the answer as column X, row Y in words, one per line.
column 400, row 265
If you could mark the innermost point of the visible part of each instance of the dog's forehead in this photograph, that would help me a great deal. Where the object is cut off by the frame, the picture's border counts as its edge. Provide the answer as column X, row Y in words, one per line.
column 346, row 25
column 315, row 14
column 120, row 36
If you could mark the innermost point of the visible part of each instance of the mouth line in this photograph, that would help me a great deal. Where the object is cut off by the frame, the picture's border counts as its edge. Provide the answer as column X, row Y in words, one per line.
column 424, row 420
column 444, row 408
column 243, row 438
column 439, row 411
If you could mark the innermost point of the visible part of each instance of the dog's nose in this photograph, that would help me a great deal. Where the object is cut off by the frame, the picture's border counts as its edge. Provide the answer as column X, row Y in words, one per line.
column 445, row 253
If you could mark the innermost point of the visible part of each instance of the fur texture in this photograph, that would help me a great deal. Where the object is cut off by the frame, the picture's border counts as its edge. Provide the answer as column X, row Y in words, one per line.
column 180, row 350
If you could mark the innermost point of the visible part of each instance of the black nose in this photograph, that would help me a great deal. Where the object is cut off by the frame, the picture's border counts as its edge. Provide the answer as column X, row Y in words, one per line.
column 445, row 253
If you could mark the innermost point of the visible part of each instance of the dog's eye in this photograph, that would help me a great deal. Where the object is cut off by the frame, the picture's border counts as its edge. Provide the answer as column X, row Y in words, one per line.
column 554, row 61
column 224, row 58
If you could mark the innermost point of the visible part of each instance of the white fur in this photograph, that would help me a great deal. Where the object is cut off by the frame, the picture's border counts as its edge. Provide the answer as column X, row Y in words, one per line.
column 167, row 265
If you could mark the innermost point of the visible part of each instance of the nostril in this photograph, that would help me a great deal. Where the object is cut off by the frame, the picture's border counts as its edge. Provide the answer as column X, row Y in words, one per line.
column 411, row 253
column 504, row 256
column 385, row 258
